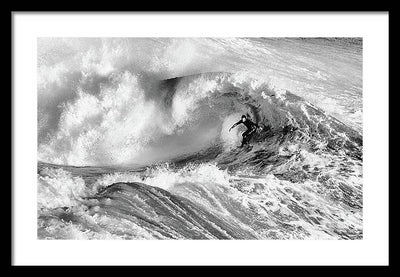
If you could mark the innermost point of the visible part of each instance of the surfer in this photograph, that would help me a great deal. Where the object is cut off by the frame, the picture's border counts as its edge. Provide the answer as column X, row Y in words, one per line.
column 251, row 128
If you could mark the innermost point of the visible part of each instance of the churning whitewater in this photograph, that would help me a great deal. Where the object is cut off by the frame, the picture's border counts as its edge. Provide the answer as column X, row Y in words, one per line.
column 134, row 139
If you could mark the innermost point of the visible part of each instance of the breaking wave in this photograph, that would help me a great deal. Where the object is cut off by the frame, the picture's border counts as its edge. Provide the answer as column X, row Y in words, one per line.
column 147, row 157
column 128, row 124
column 302, row 165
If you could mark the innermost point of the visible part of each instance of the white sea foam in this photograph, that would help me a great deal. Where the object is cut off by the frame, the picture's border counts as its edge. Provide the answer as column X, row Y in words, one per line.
column 93, row 108
column 98, row 106
column 57, row 188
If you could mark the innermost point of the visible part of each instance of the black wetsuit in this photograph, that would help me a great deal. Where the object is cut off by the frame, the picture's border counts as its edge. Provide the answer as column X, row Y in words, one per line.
column 251, row 128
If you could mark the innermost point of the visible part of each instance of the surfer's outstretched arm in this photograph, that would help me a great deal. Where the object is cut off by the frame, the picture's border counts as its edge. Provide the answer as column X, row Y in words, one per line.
column 234, row 125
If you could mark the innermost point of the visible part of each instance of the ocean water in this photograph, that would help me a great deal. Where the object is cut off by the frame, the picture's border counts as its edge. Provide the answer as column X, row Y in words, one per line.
column 134, row 140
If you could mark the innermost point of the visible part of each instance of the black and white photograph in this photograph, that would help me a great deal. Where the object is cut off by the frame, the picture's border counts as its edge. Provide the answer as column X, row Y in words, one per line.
column 200, row 138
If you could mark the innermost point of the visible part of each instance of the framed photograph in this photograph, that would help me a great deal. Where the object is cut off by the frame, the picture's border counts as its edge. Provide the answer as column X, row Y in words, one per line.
column 200, row 138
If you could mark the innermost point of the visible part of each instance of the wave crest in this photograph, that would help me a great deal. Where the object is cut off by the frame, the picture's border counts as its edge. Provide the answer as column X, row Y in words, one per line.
column 128, row 123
